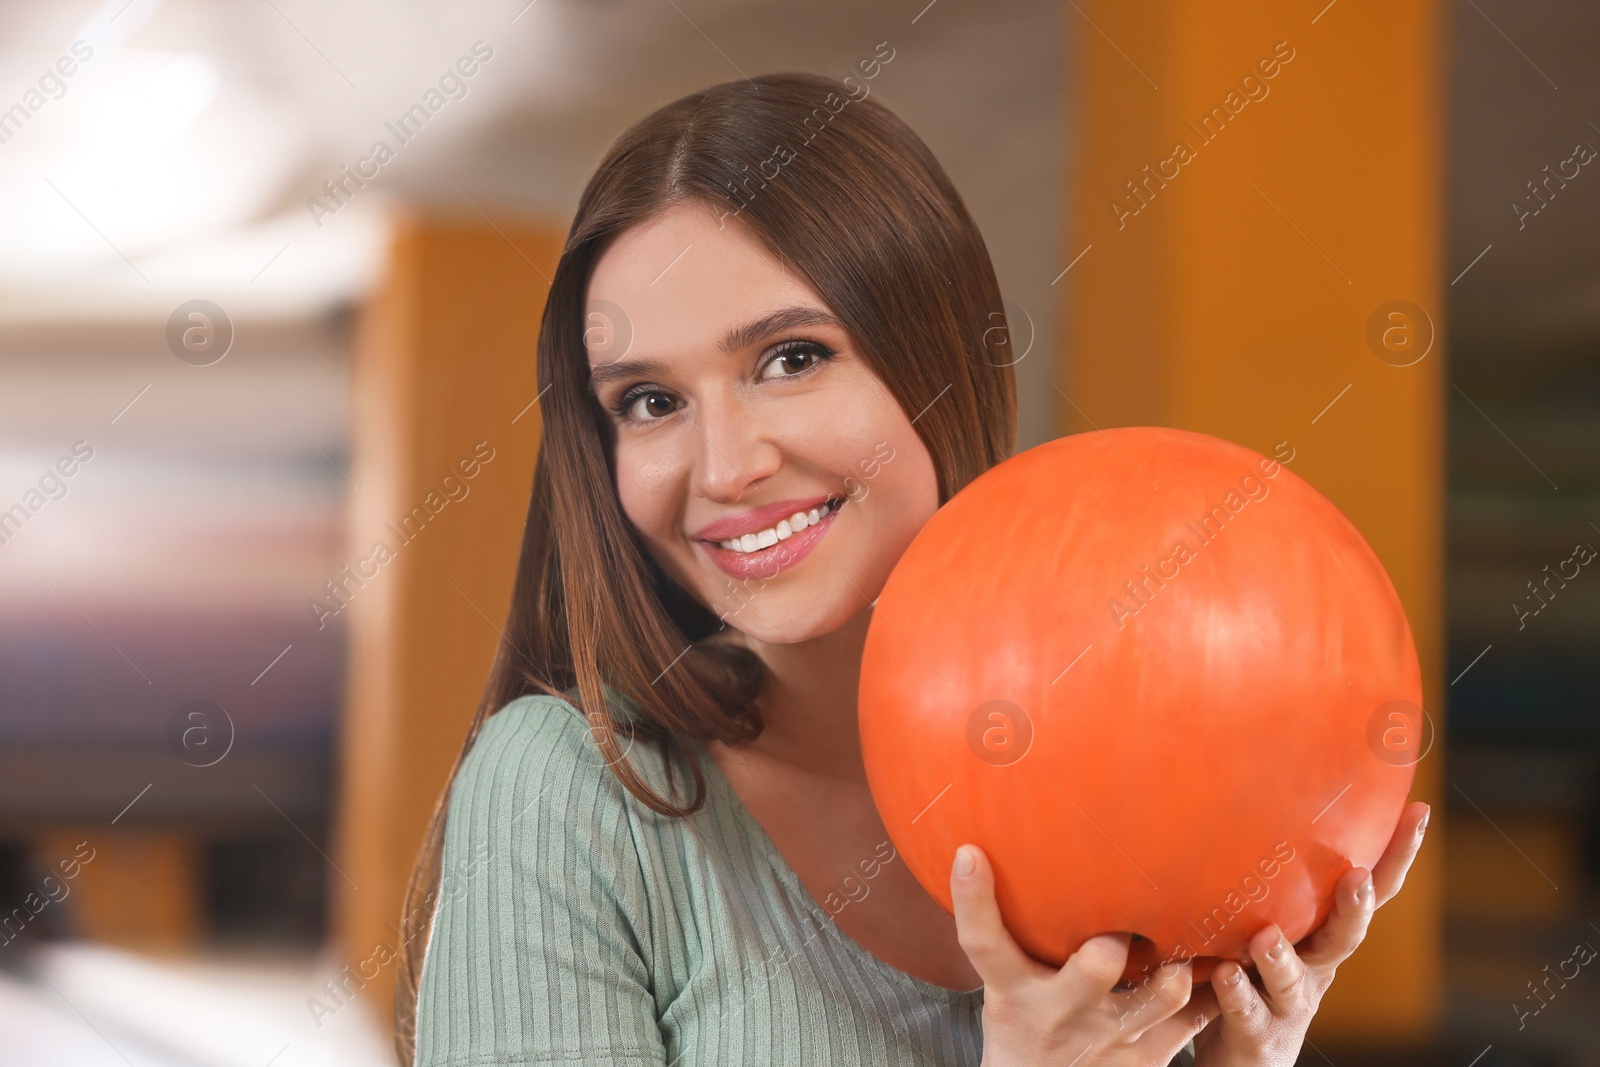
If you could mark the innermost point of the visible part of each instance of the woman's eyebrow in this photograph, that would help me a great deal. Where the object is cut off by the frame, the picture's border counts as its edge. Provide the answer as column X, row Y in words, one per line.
column 625, row 368
column 783, row 319
column 787, row 318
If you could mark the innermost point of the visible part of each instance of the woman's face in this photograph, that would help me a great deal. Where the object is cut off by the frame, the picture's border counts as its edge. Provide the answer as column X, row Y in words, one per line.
column 737, row 403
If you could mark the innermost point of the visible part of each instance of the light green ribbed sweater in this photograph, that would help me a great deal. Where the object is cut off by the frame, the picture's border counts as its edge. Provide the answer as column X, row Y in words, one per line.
column 575, row 925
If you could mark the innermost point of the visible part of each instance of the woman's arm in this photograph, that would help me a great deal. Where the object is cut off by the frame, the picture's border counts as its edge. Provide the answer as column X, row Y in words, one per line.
column 539, row 951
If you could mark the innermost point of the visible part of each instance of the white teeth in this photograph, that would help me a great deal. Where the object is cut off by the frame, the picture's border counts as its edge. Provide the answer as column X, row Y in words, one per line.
column 785, row 529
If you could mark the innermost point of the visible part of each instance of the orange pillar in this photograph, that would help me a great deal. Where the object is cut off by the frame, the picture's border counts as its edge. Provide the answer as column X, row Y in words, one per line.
column 136, row 889
column 1256, row 204
column 445, row 431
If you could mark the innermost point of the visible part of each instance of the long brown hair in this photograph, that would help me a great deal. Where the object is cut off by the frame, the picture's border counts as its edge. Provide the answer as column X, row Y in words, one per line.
column 842, row 191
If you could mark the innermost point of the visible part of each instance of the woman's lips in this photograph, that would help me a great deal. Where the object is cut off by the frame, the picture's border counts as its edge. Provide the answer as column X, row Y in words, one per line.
column 768, row 562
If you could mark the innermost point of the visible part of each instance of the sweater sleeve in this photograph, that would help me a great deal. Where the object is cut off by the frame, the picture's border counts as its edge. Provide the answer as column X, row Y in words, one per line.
column 539, row 952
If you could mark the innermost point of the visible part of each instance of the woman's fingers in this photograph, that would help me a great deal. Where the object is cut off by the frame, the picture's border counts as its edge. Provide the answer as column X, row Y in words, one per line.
column 1094, row 970
column 982, row 934
column 1358, row 895
column 1203, row 1006
column 1354, row 902
column 1249, row 1012
column 1283, row 973
column 1154, row 999
column 1188, row 1021
column 1389, row 874
column 1241, row 1006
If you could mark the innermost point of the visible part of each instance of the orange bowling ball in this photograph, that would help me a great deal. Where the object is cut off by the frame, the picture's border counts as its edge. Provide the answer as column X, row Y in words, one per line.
column 1159, row 679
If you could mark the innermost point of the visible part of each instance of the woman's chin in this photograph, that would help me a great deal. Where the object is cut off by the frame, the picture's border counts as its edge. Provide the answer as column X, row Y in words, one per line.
column 780, row 623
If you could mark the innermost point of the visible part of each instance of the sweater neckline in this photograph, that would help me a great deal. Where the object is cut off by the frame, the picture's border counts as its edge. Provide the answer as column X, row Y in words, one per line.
column 757, row 835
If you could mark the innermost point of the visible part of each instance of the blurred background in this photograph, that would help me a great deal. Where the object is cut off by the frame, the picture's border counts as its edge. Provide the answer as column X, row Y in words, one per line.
column 240, row 343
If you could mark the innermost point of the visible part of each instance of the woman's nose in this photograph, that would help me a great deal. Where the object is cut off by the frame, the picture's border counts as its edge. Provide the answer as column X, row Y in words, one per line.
column 734, row 451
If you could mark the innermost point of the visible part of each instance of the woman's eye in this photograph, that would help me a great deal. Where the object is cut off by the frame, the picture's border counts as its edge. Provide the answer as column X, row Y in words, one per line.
column 798, row 358
column 645, row 406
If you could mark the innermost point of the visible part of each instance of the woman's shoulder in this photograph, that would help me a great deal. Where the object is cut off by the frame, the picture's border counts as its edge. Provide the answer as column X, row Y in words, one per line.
column 540, row 750
column 530, row 723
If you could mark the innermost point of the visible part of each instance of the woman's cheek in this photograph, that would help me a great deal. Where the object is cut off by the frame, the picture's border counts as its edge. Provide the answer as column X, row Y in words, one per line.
column 670, row 552
column 644, row 488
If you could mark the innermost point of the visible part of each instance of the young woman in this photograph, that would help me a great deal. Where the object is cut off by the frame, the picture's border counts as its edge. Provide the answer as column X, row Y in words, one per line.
column 767, row 357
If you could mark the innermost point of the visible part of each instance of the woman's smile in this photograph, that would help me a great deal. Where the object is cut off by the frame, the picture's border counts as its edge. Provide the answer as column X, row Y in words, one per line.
column 744, row 548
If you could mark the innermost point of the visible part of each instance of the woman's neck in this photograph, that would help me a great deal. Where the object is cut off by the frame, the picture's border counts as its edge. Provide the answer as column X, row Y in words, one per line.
column 808, row 702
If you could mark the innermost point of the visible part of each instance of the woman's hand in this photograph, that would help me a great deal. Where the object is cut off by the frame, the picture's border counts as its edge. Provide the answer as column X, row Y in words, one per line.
column 1034, row 1014
column 1265, row 1027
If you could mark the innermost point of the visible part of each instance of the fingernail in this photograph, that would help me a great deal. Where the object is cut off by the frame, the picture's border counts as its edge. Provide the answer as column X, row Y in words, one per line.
column 1275, row 953
column 1422, row 827
column 1365, row 893
column 966, row 861
column 1234, row 977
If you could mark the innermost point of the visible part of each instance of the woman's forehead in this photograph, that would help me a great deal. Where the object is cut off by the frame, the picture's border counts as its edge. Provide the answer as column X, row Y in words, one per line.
column 680, row 283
